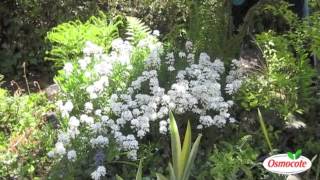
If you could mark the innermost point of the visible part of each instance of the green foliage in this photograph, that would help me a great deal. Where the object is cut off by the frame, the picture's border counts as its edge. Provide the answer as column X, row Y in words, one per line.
column 211, row 29
column 231, row 161
column 68, row 39
column 182, row 157
column 170, row 17
column 283, row 82
column 138, row 175
column 25, row 136
column 275, row 16
column 24, row 23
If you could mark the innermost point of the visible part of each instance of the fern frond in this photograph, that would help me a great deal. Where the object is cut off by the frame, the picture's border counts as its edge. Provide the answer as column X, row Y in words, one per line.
column 136, row 30
column 68, row 39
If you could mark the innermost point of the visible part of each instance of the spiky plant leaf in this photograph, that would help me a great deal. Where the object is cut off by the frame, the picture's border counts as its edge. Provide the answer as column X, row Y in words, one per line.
column 264, row 130
column 161, row 177
column 118, row 177
column 186, row 148
column 139, row 172
column 175, row 145
column 172, row 173
column 191, row 158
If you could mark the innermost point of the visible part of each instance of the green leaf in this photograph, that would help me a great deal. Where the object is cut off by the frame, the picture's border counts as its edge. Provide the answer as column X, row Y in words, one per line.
column 161, row 177
column 172, row 173
column 290, row 155
column 264, row 130
column 175, row 145
column 191, row 158
column 118, row 177
column 139, row 173
column 186, row 148
column 298, row 153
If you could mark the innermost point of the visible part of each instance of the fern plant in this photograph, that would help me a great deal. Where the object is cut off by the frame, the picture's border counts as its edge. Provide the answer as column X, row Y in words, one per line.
column 68, row 39
column 136, row 30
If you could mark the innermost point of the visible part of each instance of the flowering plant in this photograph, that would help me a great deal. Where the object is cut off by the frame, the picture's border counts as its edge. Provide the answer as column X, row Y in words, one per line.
column 113, row 99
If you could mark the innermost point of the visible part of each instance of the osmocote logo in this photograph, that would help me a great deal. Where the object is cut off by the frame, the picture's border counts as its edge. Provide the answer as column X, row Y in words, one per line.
column 290, row 163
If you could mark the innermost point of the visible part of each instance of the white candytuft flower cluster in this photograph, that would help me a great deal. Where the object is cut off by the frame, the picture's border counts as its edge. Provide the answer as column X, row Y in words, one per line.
column 72, row 155
column 197, row 89
column 98, row 173
column 88, row 121
column 239, row 71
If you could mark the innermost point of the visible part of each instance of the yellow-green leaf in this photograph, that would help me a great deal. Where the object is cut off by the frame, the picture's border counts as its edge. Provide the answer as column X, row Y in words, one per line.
column 264, row 130
column 191, row 158
column 161, row 177
column 139, row 173
column 185, row 149
column 175, row 145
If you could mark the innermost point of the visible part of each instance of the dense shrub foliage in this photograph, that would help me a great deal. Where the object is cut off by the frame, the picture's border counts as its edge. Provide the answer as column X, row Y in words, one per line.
column 25, row 135
column 24, row 23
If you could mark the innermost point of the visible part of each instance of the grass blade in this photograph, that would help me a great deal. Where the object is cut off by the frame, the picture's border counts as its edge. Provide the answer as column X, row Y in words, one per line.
column 264, row 130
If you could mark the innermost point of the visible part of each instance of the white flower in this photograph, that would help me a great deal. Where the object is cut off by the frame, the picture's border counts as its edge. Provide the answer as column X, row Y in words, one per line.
column 189, row 46
column 182, row 54
column 68, row 68
column 206, row 120
column 132, row 155
column 171, row 68
column 117, row 43
column 88, row 106
column 163, row 127
column 98, row 173
column 66, row 108
column 98, row 112
column 63, row 137
column 91, row 48
column 233, row 87
column 74, row 122
column 51, row 154
column 84, row 62
column 99, row 141
column 190, row 58
column 86, row 119
column 156, row 33
column 72, row 155
column 204, row 58
column 59, row 148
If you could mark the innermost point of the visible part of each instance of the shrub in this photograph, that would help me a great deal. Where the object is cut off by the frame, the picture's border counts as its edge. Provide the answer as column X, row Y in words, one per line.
column 134, row 108
column 89, row 82
column 283, row 81
column 231, row 161
column 25, row 135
